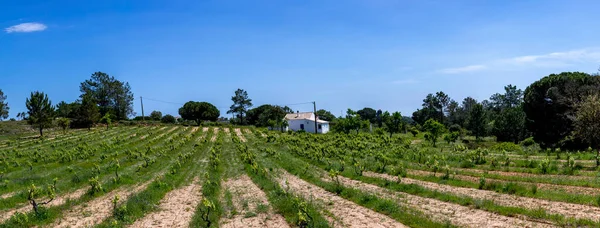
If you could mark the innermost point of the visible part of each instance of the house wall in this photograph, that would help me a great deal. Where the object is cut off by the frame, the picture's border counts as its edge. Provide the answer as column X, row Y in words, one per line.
column 309, row 126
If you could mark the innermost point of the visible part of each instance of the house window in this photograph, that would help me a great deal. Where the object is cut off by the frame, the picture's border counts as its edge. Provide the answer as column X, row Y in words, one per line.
column 302, row 126
column 319, row 127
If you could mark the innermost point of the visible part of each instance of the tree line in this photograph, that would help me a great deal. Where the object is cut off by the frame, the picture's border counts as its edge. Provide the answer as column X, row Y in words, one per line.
column 557, row 111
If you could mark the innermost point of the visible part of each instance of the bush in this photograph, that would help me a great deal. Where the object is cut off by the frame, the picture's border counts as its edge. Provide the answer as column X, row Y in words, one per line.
column 528, row 142
column 169, row 119
column 507, row 146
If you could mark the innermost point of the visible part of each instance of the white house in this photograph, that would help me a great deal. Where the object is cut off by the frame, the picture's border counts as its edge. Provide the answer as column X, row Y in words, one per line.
column 305, row 121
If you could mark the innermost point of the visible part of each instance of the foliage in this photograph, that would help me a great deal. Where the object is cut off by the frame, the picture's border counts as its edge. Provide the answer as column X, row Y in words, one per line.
column 3, row 106
column 267, row 115
column 352, row 122
column 414, row 131
column 550, row 102
column 199, row 111
column 477, row 121
column 325, row 115
column 106, row 120
column 87, row 112
column 451, row 137
column 393, row 123
column 434, row 130
column 168, row 119
column 63, row 123
column 368, row 114
column 156, row 115
column 111, row 95
column 240, row 105
column 587, row 121
column 40, row 110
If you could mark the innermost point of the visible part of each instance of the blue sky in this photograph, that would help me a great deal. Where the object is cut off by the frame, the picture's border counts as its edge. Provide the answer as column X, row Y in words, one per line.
column 343, row 54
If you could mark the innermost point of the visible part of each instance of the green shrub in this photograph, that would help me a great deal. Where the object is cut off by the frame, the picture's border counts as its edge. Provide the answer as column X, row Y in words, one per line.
column 528, row 142
column 507, row 146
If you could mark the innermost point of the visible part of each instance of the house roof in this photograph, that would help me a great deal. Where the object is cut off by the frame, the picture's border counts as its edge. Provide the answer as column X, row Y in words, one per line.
column 303, row 116
column 299, row 116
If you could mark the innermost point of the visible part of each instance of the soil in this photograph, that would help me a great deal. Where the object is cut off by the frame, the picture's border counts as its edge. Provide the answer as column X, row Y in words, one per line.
column 248, row 131
column 58, row 200
column 566, row 209
column 215, row 133
column 204, row 129
column 246, row 197
column 443, row 211
column 194, row 129
column 175, row 210
column 238, row 132
column 95, row 211
column 348, row 213
column 226, row 130
column 519, row 174
column 540, row 186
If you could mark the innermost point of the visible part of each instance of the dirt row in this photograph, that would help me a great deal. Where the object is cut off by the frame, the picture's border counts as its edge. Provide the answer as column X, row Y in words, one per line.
column 239, row 134
column 247, row 201
column 215, row 133
column 346, row 212
column 176, row 209
column 443, row 211
column 520, row 174
column 541, row 186
column 567, row 209
column 58, row 200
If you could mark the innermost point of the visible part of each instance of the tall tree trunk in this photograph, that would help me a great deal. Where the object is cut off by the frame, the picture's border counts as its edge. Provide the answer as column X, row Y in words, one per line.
column 41, row 132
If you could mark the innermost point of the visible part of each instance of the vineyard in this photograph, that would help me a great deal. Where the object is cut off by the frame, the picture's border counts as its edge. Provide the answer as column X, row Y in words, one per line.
column 176, row 176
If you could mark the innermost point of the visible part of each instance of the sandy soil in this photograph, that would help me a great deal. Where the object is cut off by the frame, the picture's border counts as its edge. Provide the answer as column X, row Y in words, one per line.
column 347, row 212
column 248, row 131
column 176, row 209
column 238, row 132
column 226, row 130
column 194, row 129
column 502, row 173
column 204, row 129
column 566, row 209
column 96, row 210
column 246, row 197
column 59, row 200
column 541, row 186
column 8, row 195
column 215, row 133
column 442, row 211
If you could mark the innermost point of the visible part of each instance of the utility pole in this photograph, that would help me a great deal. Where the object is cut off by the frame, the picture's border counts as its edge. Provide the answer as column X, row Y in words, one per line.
column 315, row 108
column 142, row 102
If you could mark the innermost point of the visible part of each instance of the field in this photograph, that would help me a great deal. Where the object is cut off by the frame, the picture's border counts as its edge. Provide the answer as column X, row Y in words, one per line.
column 176, row 176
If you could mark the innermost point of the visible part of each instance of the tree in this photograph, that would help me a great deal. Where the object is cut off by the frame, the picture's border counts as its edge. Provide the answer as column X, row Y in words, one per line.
column 509, row 125
column 199, row 111
column 443, row 100
column 155, row 115
column 67, row 110
column 240, row 106
column 325, row 115
column 3, row 106
column 477, row 121
column 261, row 115
column 587, row 121
column 112, row 96
column 550, row 105
column 433, row 130
column 394, row 123
column 352, row 122
column 368, row 114
column 168, row 119
column 379, row 118
column 22, row 115
column 87, row 113
column 63, row 123
column 40, row 111
column 106, row 120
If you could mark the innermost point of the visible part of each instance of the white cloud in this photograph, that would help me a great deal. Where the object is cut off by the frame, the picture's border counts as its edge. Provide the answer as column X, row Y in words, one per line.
column 465, row 69
column 26, row 27
column 550, row 60
column 405, row 81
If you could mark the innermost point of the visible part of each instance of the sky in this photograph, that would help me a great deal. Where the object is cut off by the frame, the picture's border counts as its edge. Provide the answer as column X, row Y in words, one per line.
column 342, row 54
